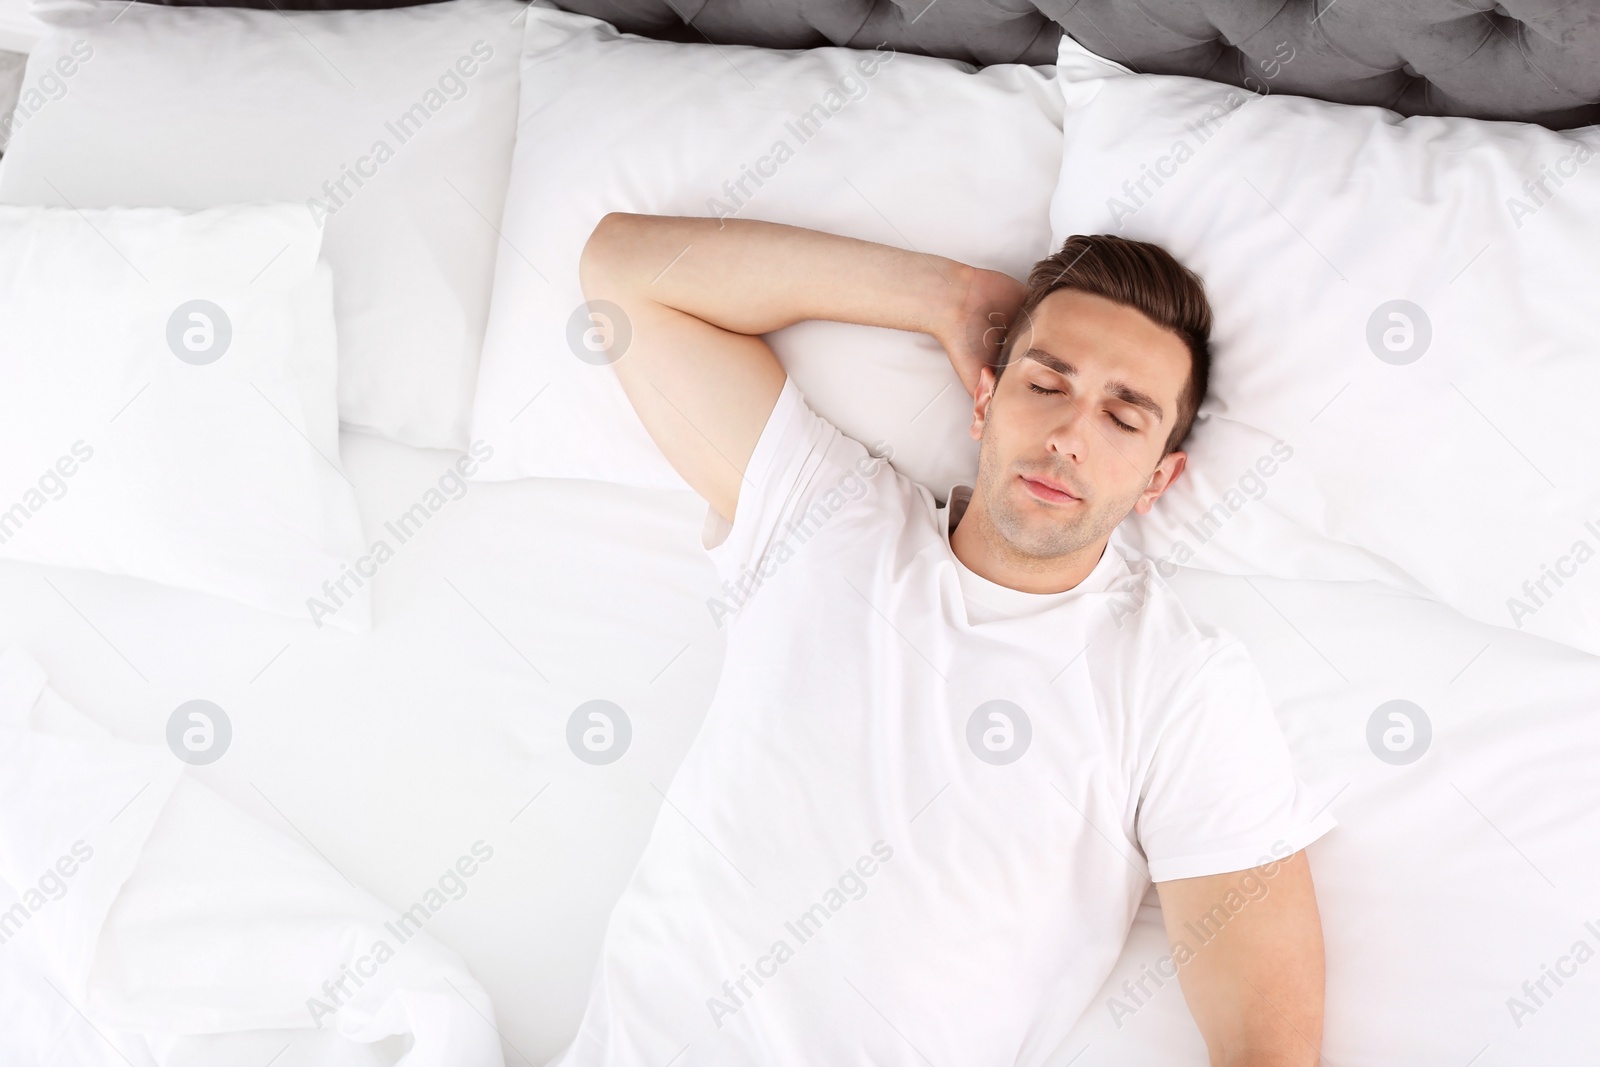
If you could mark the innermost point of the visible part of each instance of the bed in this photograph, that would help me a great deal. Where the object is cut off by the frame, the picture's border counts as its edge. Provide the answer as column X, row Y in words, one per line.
column 421, row 764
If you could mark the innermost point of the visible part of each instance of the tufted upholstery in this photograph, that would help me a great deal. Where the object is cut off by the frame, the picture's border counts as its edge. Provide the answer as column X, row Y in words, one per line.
column 1532, row 60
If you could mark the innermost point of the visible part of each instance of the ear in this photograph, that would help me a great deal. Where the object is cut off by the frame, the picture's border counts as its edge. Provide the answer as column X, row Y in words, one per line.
column 1161, row 480
column 980, row 402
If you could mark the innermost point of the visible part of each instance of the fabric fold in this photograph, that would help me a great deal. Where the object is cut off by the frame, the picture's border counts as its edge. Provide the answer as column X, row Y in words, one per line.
column 162, row 910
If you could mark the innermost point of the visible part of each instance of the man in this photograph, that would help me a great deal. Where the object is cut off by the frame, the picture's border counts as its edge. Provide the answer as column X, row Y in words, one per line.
column 952, row 745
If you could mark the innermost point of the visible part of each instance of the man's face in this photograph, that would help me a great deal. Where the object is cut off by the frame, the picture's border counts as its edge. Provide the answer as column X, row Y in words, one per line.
column 1079, row 366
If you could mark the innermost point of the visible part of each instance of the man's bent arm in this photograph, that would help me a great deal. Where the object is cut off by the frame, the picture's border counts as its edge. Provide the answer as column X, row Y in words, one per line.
column 1253, row 973
column 696, row 292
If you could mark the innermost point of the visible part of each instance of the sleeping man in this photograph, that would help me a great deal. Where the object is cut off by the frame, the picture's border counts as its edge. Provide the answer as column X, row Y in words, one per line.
column 952, row 745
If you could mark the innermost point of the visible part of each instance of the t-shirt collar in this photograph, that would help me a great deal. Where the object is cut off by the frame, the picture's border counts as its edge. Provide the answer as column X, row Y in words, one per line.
column 1002, row 598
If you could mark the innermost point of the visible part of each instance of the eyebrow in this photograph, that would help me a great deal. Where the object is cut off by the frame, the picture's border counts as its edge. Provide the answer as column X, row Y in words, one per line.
column 1121, row 390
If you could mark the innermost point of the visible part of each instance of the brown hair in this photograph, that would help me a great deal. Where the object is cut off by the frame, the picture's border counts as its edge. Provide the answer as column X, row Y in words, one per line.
column 1142, row 276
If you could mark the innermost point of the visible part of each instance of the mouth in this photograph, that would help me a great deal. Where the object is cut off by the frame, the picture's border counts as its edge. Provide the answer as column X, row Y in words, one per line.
column 1049, row 492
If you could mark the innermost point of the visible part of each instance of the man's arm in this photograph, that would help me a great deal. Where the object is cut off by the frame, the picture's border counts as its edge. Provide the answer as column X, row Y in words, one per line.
column 1254, row 982
column 697, row 294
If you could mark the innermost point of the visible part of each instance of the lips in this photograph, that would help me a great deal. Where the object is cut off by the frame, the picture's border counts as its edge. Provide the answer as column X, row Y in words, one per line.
column 1046, row 489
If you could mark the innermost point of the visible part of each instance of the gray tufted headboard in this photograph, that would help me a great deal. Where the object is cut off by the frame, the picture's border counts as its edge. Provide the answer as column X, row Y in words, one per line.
column 1530, row 60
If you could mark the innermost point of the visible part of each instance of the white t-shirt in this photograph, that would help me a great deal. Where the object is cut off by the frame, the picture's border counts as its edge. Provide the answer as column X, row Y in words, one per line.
column 923, row 808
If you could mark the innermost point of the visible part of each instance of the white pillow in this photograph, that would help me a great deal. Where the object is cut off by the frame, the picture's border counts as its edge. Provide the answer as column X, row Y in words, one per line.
column 1406, row 365
column 167, row 403
column 902, row 149
column 196, row 107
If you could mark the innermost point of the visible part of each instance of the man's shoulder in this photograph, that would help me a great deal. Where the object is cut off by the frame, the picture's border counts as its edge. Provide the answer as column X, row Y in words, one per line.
column 856, row 490
column 1157, row 633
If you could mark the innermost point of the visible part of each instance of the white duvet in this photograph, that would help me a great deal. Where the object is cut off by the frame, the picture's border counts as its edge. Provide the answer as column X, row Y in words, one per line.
column 1452, row 881
column 184, row 930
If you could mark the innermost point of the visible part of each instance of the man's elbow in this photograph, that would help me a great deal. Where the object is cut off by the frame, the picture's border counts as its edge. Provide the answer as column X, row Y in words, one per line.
column 1278, row 1040
column 606, row 250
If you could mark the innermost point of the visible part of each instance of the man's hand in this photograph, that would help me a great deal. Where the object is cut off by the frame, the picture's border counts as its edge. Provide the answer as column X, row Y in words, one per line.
column 1250, row 962
column 980, row 318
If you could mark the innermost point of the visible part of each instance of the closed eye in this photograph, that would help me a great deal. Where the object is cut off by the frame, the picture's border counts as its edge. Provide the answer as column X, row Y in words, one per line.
column 1124, row 427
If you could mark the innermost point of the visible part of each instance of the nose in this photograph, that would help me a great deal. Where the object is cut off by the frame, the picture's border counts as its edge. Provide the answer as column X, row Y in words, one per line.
column 1069, row 437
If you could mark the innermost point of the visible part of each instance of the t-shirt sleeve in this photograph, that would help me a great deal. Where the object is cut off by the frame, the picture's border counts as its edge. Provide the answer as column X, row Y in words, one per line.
column 1220, row 792
column 800, row 460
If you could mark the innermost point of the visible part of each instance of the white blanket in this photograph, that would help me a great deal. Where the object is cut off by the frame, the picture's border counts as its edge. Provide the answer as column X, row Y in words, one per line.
column 393, row 751
column 185, row 931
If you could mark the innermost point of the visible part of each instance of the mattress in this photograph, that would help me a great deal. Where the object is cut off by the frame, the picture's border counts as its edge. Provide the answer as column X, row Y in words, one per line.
column 1453, row 886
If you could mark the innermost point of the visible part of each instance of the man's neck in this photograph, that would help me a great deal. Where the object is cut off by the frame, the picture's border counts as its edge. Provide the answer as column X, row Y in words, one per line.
column 981, row 549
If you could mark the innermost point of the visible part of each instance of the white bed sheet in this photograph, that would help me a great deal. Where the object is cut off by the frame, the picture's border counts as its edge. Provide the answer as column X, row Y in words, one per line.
column 1448, row 883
